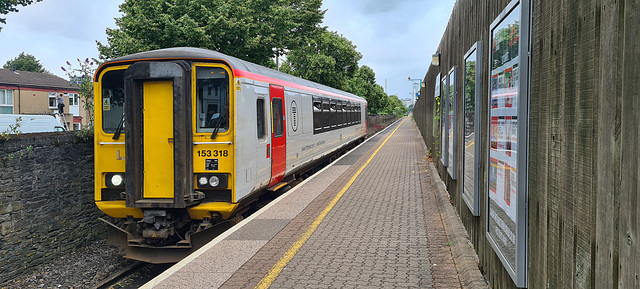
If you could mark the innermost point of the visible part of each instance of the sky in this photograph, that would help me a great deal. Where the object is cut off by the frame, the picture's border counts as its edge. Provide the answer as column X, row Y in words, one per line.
column 396, row 37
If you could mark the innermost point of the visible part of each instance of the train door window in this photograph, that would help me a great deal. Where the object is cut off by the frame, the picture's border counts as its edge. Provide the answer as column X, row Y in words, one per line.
column 261, row 118
column 317, row 114
column 212, row 99
column 277, row 117
column 112, row 100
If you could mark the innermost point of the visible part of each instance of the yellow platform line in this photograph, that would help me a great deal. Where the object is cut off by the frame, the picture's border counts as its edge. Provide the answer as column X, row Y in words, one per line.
column 288, row 256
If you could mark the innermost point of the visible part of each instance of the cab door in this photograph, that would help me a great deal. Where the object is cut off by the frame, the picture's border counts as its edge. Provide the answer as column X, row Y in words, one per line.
column 278, row 135
column 157, row 126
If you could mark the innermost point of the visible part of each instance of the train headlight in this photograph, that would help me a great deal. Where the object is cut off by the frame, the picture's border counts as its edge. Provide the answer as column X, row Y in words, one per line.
column 214, row 181
column 203, row 181
column 114, row 180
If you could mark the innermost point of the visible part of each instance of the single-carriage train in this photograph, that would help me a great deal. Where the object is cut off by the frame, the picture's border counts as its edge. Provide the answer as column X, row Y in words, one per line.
column 187, row 137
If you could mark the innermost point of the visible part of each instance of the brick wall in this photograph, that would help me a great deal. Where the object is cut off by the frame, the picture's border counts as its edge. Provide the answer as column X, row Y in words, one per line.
column 46, row 199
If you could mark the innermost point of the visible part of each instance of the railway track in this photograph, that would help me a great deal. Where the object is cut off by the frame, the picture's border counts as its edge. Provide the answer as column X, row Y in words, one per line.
column 134, row 276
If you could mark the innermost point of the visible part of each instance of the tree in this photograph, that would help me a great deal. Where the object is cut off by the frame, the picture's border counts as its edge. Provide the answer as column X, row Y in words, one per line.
column 83, row 78
column 395, row 106
column 363, row 83
column 328, row 59
column 255, row 30
column 7, row 6
column 25, row 62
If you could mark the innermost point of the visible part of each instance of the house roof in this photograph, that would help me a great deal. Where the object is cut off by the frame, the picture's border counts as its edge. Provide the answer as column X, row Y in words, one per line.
column 33, row 79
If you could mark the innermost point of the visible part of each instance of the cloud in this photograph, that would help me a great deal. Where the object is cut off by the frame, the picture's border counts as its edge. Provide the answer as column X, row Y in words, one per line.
column 396, row 38
column 57, row 31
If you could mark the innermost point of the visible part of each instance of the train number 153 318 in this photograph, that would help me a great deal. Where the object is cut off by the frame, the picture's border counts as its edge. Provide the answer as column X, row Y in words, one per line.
column 213, row 153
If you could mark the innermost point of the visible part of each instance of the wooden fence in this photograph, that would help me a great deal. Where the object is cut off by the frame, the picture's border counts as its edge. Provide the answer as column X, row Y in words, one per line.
column 584, row 130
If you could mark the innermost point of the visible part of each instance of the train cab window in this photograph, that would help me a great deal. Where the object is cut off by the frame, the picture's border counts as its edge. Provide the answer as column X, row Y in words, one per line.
column 277, row 117
column 261, row 118
column 112, row 100
column 212, row 99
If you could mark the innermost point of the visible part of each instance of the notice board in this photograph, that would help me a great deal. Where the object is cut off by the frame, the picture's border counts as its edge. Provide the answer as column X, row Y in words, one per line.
column 508, row 138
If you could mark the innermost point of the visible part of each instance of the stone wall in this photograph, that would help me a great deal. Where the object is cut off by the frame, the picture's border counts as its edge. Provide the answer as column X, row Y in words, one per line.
column 46, row 199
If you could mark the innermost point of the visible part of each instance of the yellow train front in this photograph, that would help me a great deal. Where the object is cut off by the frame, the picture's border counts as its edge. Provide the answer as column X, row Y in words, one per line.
column 186, row 138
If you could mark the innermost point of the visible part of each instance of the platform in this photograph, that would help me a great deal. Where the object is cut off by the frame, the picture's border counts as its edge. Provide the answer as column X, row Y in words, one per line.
column 379, row 217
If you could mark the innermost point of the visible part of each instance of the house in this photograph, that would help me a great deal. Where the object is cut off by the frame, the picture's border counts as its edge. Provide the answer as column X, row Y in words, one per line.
column 25, row 92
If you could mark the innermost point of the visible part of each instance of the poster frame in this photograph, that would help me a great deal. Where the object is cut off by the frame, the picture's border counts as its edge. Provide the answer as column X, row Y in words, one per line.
column 435, row 108
column 474, row 202
column 444, row 123
column 517, row 272
column 452, row 100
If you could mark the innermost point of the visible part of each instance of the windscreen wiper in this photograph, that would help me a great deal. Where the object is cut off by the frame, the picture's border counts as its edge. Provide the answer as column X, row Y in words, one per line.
column 116, row 135
column 222, row 119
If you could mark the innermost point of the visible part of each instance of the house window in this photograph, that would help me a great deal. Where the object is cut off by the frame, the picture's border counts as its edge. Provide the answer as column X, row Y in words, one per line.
column 74, row 99
column 6, row 101
column 77, row 126
column 53, row 104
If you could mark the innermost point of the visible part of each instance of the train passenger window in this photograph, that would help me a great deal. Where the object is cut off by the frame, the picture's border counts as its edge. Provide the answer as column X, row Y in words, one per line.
column 112, row 100
column 261, row 119
column 212, row 99
column 277, row 119
column 326, row 113
column 350, row 113
column 343, row 113
column 334, row 117
column 317, row 114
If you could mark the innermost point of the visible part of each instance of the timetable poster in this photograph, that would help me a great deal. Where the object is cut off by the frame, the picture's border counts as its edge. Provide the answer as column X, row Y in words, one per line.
column 503, row 130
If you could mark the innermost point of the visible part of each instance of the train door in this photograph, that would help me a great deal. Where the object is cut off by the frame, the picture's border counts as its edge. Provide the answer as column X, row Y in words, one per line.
column 157, row 135
column 157, row 127
column 278, row 135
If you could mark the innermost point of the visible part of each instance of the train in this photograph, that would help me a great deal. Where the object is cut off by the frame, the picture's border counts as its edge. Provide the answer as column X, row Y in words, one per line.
column 188, row 138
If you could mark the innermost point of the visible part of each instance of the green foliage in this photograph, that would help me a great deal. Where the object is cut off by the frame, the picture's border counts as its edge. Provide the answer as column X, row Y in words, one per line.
column 328, row 58
column 396, row 107
column 25, row 62
column 363, row 83
column 255, row 30
column 7, row 6
column 83, row 77
column 84, row 135
column 13, row 129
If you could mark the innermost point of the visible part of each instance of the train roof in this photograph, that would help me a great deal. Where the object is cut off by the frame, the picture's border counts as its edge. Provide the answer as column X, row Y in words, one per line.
column 192, row 53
